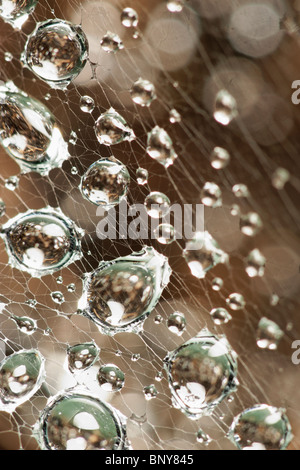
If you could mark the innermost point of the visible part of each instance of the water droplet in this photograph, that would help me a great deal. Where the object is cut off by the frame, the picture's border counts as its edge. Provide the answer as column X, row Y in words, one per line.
column 203, row 438
column 82, row 356
column 211, row 195
column 280, row 177
column 87, row 104
column 120, row 294
column 274, row 300
column 71, row 288
column 21, row 375
column 268, row 334
column 74, row 420
column 12, row 183
column 135, row 357
column 175, row 6
column 8, row 57
column 157, row 205
column 160, row 147
column 159, row 376
column 201, row 373
column 142, row 176
column 240, row 190
column 57, row 297
column 150, row 392
column 202, row 254
column 16, row 12
column 177, row 323
column 42, row 242
column 111, row 42
column 220, row 316
column 111, row 378
column 73, row 138
column 143, row 92
column 251, row 224
column 2, row 208
column 165, row 234
column 225, row 108
column 236, row 301
column 31, row 302
column 47, row 96
column 255, row 263
column 158, row 319
column 129, row 18
column 235, row 210
column 74, row 170
column 261, row 427
column 174, row 116
column 219, row 158
column 29, row 133
column 25, row 324
column 217, row 283
column 59, row 280
column 56, row 52
column 111, row 129
column 105, row 183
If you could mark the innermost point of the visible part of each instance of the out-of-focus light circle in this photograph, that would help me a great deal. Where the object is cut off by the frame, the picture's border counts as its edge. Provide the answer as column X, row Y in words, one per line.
column 254, row 29
column 212, row 8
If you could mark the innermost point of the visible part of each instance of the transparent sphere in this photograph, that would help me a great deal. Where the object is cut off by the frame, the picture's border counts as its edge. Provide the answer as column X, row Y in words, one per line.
column 82, row 356
column 157, row 205
column 111, row 378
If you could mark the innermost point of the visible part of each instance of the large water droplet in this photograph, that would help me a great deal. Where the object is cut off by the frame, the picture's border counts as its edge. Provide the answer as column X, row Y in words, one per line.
column 111, row 42
column 129, row 18
column 160, row 147
column 157, row 205
column 255, row 263
column 21, row 375
column 120, row 294
column 225, row 108
column 111, row 129
column 202, row 254
column 42, row 242
column 268, row 334
column 111, row 378
column 143, row 92
column 75, row 420
column 211, row 195
column 82, row 356
column 202, row 373
column 26, row 325
column 261, row 427
column 16, row 12
column 105, row 183
column 219, row 158
column 177, row 323
column 29, row 133
column 56, row 51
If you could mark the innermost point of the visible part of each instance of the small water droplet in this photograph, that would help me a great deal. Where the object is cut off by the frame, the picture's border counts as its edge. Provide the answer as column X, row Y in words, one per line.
column 219, row 158
column 142, row 176
column 240, row 190
column 105, row 183
column 211, row 195
column 236, row 301
column 87, row 104
column 177, row 323
column 16, row 12
column 12, row 183
column 280, row 177
column 129, row 18
column 111, row 378
column 74, row 170
column 175, row 6
column 57, row 297
column 8, row 57
column 25, row 324
column 203, row 438
column 73, row 138
column 255, row 263
column 135, row 357
column 159, row 376
column 71, row 288
column 82, row 356
column 225, row 108
column 217, row 283
column 268, row 334
column 47, row 96
column 174, row 116
column 111, row 129
column 165, row 234
column 157, row 205
column 2, row 208
column 235, row 210
column 111, row 42
column 150, row 392
column 31, row 302
column 220, row 316
column 160, row 147
column 59, row 280
column 158, row 319
column 56, row 52
column 251, row 224
column 274, row 300
column 143, row 92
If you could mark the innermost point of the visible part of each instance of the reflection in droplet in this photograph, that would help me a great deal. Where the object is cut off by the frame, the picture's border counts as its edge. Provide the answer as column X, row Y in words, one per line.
column 160, row 147
column 150, row 392
column 220, row 316
column 143, row 92
column 129, row 18
column 87, row 104
column 174, row 116
column 26, row 325
column 203, row 438
column 142, row 176
column 57, row 297
column 111, row 378
column 211, row 195
column 255, row 263
column 217, row 283
column 268, row 334
column 219, row 158
column 236, row 301
column 111, row 42
column 165, row 234
column 202, row 373
column 16, row 12
column 251, row 224
column 225, row 108
column 157, row 205
column 175, row 6
column 261, row 427
column 177, row 323
column 12, row 183
column 111, row 129
column 82, row 356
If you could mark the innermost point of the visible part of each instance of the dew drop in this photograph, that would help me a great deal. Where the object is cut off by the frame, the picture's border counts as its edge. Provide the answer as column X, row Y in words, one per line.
column 8, row 57
column 202, row 254
column 240, row 190
column 160, row 147
column 31, row 302
column 71, row 288
column 201, row 373
column 219, row 158
column 251, row 224
column 159, row 376
column 225, row 108
column 111, row 129
column 57, row 297
column 255, row 264
column 59, row 280
column 74, row 420
column 142, row 176
column 203, row 438
column 120, row 294
column 29, row 133
column 220, row 316
column 2, row 208
column 110, row 378
column 236, row 301
column 280, row 177
column 150, row 392
column 274, row 300
column 26, row 325
column 16, row 12
column 143, row 92
column 158, row 319
column 177, row 323
column 157, row 205
column 268, row 334
column 56, row 52
column 261, row 427
column 111, row 42
column 41, row 242
column 21, row 375
column 175, row 6
column 82, row 356
column 211, row 195
column 165, row 234
column 12, row 183
column 129, row 18
column 87, row 104
column 135, row 357
column 217, row 284
column 73, row 138
column 174, row 116
column 235, row 210
column 105, row 183
column 74, row 170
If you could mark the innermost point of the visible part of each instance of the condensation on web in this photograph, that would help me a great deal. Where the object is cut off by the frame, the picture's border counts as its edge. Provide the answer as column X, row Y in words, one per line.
column 223, row 95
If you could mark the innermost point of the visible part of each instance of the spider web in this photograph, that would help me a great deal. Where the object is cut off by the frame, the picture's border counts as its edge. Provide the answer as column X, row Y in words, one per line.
column 185, row 60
